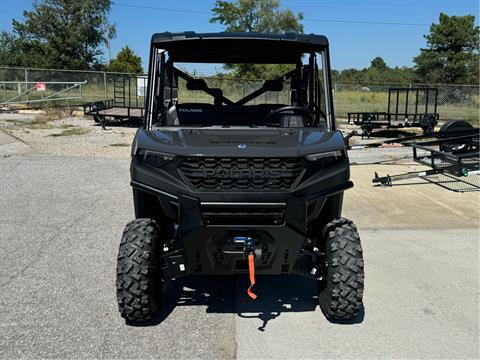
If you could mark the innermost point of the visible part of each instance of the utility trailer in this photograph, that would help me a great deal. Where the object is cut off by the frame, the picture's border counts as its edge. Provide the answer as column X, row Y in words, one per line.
column 455, row 154
column 127, row 105
column 400, row 111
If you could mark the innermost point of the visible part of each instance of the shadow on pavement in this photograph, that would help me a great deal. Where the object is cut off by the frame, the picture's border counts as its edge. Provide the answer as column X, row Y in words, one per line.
column 227, row 294
column 276, row 295
column 389, row 133
column 135, row 123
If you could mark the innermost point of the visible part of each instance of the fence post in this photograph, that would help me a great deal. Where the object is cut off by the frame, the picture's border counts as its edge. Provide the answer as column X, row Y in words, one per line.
column 26, row 84
column 105, row 85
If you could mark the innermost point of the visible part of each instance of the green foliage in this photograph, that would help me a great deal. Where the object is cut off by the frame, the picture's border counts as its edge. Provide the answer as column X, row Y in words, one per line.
column 452, row 53
column 378, row 63
column 256, row 16
column 10, row 50
column 126, row 61
column 378, row 72
column 63, row 34
column 257, row 71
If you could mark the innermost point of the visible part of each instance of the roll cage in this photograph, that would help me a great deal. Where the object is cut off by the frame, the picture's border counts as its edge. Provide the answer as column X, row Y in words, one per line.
column 310, row 85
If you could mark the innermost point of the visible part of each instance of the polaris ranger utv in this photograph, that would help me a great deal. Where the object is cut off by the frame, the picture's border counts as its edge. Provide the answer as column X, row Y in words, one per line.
column 239, row 180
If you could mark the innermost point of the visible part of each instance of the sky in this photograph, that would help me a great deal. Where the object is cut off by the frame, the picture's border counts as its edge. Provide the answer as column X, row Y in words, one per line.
column 358, row 30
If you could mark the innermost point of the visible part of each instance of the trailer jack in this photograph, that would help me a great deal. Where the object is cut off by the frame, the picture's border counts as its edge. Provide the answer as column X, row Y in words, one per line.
column 389, row 179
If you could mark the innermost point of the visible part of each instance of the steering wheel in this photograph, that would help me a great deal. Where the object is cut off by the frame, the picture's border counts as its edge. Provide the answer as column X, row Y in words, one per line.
column 306, row 114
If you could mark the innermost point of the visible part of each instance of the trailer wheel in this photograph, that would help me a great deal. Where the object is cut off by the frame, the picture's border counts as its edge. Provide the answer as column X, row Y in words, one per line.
column 427, row 123
column 453, row 128
column 341, row 299
column 139, row 271
column 367, row 124
column 97, row 119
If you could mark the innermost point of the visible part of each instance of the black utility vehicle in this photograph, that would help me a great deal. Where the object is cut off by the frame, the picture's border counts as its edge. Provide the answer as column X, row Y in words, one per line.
column 244, row 179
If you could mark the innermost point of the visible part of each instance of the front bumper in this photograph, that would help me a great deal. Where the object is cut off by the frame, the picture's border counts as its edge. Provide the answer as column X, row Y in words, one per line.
column 209, row 243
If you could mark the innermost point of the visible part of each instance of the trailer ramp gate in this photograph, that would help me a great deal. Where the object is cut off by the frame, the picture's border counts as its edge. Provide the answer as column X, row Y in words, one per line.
column 35, row 92
column 406, row 108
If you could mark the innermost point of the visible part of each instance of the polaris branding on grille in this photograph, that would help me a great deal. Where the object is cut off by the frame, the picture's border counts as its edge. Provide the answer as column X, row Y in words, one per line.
column 239, row 173
column 242, row 173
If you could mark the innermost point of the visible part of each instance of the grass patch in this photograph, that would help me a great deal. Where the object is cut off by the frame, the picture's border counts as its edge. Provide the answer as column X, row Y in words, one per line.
column 51, row 114
column 72, row 132
column 39, row 125
column 31, row 124
column 41, row 121
column 119, row 145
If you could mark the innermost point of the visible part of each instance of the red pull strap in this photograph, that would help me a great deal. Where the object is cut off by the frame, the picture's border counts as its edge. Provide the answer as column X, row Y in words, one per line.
column 251, row 270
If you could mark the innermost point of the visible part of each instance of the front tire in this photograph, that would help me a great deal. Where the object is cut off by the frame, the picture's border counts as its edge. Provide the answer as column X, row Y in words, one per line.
column 341, row 299
column 139, row 276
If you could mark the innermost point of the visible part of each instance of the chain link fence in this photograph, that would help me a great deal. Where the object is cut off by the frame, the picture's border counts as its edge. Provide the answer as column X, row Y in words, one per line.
column 125, row 89
column 458, row 102
column 234, row 90
column 454, row 101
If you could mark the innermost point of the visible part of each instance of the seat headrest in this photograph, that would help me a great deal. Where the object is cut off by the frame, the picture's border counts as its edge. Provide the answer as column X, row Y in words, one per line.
column 196, row 84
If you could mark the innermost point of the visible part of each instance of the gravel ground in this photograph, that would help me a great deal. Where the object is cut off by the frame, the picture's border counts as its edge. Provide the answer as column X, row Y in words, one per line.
column 114, row 142
column 88, row 139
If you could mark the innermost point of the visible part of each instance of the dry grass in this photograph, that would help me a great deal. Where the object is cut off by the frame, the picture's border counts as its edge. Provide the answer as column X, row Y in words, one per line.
column 35, row 125
column 72, row 132
column 32, row 124
column 119, row 144
column 51, row 114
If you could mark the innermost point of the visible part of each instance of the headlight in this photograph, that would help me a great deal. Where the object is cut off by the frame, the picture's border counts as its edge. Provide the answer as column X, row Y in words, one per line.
column 331, row 155
column 154, row 158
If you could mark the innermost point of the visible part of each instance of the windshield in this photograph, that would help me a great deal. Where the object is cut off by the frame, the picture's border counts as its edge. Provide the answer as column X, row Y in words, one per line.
column 254, row 95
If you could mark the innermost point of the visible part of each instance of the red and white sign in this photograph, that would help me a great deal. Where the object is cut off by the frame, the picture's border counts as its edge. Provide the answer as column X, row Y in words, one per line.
column 41, row 86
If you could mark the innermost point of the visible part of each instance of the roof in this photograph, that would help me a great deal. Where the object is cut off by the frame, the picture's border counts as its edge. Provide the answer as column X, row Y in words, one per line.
column 230, row 47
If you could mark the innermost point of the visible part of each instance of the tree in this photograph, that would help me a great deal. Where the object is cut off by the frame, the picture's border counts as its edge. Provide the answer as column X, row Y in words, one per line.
column 452, row 53
column 10, row 50
column 378, row 72
column 126, row 61
column 64, row 34
column 257, row 16
column 378, row 64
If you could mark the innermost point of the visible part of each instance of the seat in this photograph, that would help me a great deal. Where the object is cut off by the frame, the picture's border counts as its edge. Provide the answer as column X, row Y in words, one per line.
column 292, row 121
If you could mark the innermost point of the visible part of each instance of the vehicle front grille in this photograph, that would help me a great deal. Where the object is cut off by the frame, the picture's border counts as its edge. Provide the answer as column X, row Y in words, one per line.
column 221, row 173
column 232, row 214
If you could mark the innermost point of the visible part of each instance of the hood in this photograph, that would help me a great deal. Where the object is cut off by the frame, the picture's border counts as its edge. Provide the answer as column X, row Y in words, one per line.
column 238, row 142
